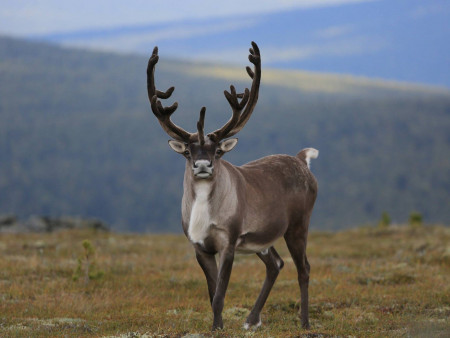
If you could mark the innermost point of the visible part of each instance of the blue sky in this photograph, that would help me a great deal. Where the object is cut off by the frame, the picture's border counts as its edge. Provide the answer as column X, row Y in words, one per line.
column 405, row 40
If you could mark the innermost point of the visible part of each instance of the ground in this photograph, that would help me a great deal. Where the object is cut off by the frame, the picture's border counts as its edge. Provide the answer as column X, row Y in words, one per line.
column 364, row 282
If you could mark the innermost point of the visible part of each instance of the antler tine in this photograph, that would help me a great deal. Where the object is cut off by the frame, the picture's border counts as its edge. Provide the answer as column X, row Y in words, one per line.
column 242, row 110
column 232, row 98
column 244, row 96
column 201, row 126
column 250, row 72
column 163, row 113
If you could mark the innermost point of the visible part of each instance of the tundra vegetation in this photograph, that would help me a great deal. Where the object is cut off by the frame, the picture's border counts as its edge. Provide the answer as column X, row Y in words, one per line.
column 367, row 281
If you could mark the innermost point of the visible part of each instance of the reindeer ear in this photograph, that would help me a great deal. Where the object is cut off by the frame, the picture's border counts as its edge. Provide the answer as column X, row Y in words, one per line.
column 228, row 145
column 178, row 146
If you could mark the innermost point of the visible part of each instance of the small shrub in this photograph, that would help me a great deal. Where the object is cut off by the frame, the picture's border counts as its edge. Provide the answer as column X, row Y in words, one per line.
column 415, row 219
column 87, row 267
column 385, row 220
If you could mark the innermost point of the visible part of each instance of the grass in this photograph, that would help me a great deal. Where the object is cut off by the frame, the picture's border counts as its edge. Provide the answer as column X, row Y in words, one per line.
column 364, row 282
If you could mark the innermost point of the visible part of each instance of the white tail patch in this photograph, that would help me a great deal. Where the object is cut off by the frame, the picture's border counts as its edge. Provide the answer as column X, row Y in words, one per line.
column 311, row 153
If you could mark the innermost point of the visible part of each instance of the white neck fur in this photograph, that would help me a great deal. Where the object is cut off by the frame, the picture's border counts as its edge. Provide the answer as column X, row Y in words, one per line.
column 200, row 217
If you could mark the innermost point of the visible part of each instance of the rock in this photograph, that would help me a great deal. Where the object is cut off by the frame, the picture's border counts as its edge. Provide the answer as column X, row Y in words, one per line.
column 10, row 224
column 7, row 220
column 36, row 224
column 53, row 224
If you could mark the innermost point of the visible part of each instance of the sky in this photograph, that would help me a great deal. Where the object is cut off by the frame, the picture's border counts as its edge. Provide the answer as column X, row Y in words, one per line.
column 50, row 16
column 404, row 40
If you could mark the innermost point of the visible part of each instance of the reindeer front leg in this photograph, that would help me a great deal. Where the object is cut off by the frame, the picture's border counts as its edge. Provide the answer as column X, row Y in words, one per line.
column 225, row 266
column 209, row 266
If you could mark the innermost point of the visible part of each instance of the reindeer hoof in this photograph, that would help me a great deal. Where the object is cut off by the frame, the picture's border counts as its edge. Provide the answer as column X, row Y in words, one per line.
column 217, row 327
column 254, row 327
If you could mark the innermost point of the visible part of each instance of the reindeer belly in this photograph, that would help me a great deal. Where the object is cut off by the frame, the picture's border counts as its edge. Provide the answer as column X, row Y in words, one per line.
column 249, row 248
column 249, row 243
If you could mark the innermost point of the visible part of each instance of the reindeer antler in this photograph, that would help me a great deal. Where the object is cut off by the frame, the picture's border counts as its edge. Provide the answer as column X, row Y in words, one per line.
column 163, row 113
column 242, row 104
column 242, row 110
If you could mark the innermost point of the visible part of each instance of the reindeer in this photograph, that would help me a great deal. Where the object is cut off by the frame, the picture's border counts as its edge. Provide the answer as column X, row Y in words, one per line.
column 228, row 209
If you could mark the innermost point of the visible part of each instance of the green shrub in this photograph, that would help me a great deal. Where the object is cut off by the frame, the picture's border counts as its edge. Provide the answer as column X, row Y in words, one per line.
column 87, row 267
column 385, row 220
column 415, row 219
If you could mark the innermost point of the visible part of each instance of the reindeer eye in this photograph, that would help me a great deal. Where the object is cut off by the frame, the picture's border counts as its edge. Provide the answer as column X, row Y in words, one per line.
column 219, row 151
column 186, row 152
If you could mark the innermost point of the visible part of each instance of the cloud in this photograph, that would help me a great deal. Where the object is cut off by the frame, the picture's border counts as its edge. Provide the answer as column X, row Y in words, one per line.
column 277, row 55
column 334, row 31
column 49, row 16
column 346, row 47
column 130, row 41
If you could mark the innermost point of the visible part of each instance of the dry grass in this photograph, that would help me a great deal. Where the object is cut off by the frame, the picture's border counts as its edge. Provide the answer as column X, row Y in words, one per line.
column 364, row 282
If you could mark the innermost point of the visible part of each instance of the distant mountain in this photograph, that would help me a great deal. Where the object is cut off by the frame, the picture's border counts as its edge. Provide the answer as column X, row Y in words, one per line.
column 77, row 137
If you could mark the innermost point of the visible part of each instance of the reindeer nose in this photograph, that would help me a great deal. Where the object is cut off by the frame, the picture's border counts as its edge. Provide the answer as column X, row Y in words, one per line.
column 202, row 164
column 202, row 168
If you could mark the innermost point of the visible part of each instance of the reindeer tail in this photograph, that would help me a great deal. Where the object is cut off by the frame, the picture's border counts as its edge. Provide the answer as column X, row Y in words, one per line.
column 307, row 154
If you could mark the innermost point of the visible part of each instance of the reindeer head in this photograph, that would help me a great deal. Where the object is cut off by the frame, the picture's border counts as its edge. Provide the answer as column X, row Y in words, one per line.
column 200, row 150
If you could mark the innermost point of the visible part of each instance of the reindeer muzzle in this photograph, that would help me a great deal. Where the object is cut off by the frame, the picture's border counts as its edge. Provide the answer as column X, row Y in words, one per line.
column 203, row 169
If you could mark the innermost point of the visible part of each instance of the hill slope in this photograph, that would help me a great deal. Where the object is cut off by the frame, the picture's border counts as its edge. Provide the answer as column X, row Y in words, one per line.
column 77, row 137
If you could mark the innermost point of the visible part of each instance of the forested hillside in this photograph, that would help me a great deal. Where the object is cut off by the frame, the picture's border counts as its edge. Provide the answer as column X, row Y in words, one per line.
column 77, row 137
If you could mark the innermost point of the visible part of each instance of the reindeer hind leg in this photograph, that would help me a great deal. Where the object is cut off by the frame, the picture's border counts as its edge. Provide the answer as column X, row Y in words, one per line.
column 296, row 243
column 274, row 264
